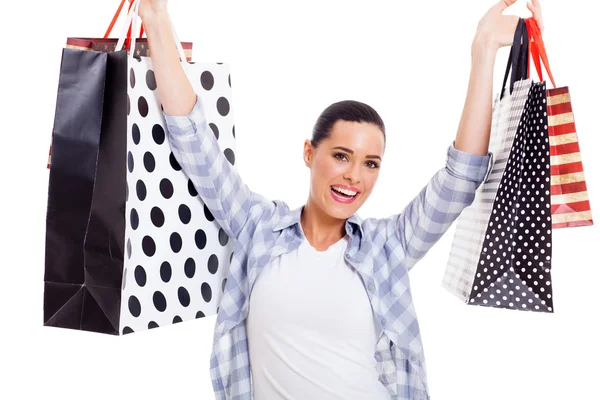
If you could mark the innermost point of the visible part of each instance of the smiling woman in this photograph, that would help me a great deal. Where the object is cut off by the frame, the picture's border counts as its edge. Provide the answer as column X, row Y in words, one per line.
column 356, row 336
column 344, row 157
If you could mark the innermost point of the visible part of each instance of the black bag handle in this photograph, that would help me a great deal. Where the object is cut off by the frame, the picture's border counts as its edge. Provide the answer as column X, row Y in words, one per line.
column 523, row 64
column 518, row 59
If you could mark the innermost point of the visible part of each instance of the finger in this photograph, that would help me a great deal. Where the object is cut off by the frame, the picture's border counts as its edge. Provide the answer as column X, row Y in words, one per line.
column 504, row 4
column 540, row 19
column 541, row 25
column 537, row 15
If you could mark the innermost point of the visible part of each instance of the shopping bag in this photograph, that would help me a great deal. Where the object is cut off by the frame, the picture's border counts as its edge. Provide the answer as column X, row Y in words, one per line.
column 501, row 250
column 570, row 200
column 174, row 232
column 83, row 111
column 470, row 226
column 106, row 44
column 130, row 245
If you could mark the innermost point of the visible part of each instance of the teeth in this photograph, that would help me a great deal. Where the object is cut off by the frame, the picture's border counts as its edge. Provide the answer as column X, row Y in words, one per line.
column 345, row 191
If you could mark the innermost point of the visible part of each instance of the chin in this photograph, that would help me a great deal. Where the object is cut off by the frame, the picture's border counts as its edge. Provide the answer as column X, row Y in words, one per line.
column 341, row 211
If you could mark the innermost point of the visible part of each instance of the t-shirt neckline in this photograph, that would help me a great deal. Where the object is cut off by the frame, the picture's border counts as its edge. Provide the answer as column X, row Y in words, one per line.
column 335, row 246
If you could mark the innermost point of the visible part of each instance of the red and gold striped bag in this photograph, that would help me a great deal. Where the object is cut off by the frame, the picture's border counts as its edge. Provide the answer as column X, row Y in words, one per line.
column 569, row 195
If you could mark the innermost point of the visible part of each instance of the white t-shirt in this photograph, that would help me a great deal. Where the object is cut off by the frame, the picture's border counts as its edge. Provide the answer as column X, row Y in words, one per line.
column 311, row 330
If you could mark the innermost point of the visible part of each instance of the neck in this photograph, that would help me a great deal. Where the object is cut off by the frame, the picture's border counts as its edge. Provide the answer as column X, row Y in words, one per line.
column 320, row 228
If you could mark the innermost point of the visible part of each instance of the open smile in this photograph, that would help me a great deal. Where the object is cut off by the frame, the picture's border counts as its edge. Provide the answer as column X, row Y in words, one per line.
column 343, row 194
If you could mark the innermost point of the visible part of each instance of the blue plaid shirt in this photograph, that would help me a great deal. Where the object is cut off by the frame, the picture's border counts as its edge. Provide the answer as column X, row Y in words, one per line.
column 382, row 250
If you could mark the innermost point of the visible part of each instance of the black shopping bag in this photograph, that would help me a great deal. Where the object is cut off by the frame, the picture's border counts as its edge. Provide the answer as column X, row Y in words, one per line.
column 83, row 272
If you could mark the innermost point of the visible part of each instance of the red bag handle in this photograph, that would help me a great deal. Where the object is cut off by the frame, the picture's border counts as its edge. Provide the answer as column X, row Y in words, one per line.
column 537, row 49
column 114, row 21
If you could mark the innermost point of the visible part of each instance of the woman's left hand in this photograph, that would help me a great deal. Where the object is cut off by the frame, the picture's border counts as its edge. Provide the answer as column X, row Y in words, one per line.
column 496, row 30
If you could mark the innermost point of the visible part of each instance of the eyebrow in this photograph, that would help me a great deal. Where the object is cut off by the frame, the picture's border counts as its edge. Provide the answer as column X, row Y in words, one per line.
column 352, row 152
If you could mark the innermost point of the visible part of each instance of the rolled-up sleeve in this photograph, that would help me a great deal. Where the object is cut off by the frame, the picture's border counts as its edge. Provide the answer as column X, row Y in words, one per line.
column 186, row 125
column 468, row 166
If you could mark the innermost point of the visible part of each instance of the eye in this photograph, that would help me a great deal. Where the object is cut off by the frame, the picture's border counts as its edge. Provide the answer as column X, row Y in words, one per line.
column 372, row 164
column 340, row 156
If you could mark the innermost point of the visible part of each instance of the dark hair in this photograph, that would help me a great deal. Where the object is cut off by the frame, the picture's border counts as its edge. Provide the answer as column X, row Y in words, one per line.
column 347, row 110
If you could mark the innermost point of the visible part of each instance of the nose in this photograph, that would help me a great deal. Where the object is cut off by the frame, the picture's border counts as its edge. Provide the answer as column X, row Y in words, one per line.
column 352, row 174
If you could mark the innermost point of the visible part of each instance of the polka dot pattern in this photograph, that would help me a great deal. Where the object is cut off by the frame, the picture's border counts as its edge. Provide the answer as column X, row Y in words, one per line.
column 514, row 266
column 143, row 106
column 135, row 134
column 472, row 222
column 150, row 80
column 230, row 155
column 178, row 256
column 174, row 164
column 158, row 134
column 149, row 162
column 215, row 130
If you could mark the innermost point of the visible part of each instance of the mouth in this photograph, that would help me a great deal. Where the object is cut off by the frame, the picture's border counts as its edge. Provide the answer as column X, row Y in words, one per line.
column 343, row 195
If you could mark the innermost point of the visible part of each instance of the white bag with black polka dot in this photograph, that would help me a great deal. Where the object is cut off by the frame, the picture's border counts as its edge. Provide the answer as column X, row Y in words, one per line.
column 177, row 255
column 502, row 248
column 130, row 245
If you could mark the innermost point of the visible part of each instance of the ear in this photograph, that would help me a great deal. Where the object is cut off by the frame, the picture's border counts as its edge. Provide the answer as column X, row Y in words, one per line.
column 308, row 153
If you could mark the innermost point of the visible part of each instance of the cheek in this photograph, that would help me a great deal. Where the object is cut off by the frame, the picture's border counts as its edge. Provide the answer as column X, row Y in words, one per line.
column 370, row 180
column 327, row 169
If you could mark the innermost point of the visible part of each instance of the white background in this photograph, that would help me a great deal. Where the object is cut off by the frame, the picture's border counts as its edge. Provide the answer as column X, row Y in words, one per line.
column 289, row 61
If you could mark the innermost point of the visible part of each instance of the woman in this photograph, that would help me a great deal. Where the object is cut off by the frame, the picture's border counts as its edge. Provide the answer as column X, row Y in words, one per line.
column 356, row 336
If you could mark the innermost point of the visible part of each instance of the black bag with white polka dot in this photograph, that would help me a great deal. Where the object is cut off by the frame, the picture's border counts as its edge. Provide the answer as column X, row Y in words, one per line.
column 501, row 253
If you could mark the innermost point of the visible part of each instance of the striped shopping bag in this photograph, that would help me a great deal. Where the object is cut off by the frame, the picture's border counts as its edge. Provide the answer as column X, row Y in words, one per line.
column 569, row 195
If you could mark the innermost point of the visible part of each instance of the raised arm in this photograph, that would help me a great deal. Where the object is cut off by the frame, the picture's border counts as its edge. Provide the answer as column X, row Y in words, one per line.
column 194, row 146
column 421, row 224
column 176, row 92
column 494, row 30
column 429, row 215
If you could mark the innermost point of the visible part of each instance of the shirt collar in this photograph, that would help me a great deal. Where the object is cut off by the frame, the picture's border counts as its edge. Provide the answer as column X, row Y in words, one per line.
column 292, row 217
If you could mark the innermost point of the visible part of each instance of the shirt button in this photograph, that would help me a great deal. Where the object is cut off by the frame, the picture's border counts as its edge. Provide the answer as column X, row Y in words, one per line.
column 383, row 321
column 413, row 358
column 370, row 287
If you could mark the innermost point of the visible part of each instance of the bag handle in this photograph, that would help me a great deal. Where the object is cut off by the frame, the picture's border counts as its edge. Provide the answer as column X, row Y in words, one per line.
column 132, row 18
column 538, row 49
column 518, row 58
column 116, row 16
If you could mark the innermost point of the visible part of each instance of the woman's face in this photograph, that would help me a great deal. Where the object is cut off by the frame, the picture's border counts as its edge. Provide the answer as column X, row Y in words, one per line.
column 349, row 160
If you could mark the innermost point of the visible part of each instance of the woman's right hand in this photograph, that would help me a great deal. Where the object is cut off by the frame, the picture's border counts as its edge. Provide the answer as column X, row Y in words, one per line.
column 151, row 8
